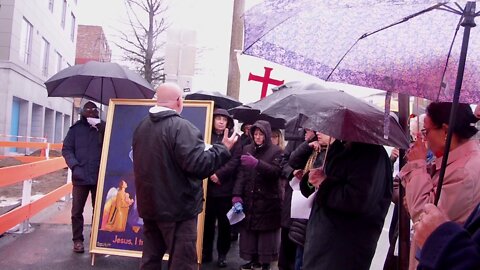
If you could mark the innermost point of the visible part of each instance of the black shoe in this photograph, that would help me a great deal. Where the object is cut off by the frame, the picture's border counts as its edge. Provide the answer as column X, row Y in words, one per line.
column 265, row 266
column 221, row 263
column 78, row 247
column 250, row 266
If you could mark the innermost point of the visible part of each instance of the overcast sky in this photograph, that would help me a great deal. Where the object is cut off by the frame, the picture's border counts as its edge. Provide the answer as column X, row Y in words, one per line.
column 211, row 19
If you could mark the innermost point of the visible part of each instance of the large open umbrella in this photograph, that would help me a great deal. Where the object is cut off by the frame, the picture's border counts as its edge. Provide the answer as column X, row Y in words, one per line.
column 335, row 113
column 407, row 46
column 98, row 81
column 221, row 100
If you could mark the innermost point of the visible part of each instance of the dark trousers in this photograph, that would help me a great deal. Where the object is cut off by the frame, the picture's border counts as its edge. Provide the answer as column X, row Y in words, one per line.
column 79, row 198
column 286, row 255
column 178, row 239
column 299, row 258
column 216, row 209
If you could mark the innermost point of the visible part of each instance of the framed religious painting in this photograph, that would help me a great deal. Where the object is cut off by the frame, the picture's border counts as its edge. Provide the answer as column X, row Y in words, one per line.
column 117, row 228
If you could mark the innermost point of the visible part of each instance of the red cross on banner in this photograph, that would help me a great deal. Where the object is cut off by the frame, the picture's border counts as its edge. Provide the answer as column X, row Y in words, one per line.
column 265, row 80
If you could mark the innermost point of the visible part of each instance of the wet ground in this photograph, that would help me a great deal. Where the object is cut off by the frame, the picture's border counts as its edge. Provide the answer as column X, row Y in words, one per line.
column 48, row 246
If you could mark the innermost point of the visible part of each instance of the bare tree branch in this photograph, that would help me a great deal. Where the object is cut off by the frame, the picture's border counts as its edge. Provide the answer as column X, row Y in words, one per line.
column 141, row 46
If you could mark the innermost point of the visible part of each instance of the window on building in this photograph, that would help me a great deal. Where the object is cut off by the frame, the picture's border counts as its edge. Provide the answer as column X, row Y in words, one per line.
column 64, row 13
column 26, row 41
column 50, row 5
column 72, row 30
column 45, row 56
column 58, row 62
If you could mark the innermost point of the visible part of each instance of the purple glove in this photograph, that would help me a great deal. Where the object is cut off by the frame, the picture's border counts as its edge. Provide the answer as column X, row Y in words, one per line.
column 249, row 161
column 237, row 199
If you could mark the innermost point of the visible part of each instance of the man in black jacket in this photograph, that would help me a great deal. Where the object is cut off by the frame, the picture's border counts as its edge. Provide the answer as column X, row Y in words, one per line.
column 219, row 193
column 170, row 159
column 82, row 149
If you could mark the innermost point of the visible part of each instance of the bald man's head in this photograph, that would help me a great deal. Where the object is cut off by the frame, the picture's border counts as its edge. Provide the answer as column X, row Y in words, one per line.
column 170, row 95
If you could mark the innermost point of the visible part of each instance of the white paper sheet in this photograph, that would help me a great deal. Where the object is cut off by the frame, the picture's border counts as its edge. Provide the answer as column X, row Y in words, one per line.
column 234, row 218
column 301, row 206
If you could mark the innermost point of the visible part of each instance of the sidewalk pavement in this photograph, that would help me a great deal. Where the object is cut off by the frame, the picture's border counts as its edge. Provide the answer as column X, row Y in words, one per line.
column 48, row 246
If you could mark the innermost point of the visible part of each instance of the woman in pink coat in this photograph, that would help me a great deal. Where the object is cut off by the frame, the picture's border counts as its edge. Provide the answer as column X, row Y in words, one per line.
column 461, row 185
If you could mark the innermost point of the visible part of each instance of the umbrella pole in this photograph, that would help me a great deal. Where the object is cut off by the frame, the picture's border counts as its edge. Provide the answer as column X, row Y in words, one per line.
column 101, row 99
column 467, row 23
column 403, row 216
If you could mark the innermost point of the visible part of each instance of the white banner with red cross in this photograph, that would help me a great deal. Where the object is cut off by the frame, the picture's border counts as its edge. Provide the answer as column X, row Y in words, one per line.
column 259, row 76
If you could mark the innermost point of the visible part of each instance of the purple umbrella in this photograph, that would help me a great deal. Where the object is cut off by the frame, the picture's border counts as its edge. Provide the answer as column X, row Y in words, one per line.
column 408, row 46
column 408, row 57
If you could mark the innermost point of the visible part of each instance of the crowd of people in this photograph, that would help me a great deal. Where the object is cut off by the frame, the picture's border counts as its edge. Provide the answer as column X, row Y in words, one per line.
column 345, row 188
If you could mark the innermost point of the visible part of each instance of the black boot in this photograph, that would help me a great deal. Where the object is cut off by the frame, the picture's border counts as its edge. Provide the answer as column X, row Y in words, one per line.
column 250, row 265
column 222, row 262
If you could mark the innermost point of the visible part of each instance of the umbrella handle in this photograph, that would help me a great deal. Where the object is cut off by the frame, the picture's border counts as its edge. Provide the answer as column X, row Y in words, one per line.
column 326, row 152
column 468, row 23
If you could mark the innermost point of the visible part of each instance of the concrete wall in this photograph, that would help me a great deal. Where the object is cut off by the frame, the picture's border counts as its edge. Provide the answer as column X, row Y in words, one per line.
column 40, row 116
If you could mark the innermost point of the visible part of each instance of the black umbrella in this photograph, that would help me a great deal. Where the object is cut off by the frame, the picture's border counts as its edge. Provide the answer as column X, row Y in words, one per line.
column 221, row 100
column 99, row 81
column 246, row 114
column 335, row 113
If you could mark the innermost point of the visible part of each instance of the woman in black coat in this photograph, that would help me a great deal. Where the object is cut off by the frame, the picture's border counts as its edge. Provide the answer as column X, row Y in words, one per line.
column 257, row 187
column 349, row 208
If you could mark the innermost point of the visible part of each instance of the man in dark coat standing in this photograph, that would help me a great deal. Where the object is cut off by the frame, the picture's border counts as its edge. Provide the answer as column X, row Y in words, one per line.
column 170, row 159
column 82, row 149
column 219, row 193
column 354, row 193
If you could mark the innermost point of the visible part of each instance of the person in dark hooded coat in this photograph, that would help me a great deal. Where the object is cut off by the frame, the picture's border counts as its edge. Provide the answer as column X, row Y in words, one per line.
column 82, row 149
column 347, row 216
column 257, row 187
column 219, row 193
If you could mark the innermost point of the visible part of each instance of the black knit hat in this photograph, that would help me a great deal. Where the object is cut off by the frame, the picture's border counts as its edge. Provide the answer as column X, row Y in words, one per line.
column 223, row 112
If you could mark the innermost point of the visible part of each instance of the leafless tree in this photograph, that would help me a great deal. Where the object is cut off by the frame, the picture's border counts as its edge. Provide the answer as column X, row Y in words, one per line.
column 142, row 44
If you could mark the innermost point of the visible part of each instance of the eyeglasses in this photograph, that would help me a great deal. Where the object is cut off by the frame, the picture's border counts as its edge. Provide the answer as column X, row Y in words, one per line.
column 425, row 131
column 91, row 109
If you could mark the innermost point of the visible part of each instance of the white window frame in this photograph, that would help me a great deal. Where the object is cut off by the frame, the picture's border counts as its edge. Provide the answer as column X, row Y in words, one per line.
column 58, row 64
column 45, row 56
column 26, row 37
column 51, row 4
column 72, row 30
column 64, row 14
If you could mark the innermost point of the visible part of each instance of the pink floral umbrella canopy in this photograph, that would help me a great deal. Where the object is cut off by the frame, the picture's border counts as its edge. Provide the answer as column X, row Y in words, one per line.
column 410, row 57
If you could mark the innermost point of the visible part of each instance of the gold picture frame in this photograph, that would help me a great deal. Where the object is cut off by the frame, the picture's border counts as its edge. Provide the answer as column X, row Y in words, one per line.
column 116, row 166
